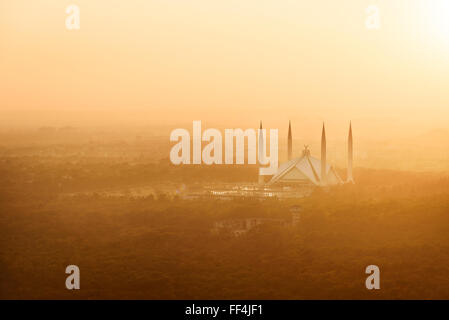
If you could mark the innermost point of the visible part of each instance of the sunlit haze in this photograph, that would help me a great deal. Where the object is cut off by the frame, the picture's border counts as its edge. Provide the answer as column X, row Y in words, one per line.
column 230, row 63
column 244, row 150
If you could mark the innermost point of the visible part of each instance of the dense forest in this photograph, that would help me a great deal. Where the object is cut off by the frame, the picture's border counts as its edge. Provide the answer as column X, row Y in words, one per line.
column 163, row 248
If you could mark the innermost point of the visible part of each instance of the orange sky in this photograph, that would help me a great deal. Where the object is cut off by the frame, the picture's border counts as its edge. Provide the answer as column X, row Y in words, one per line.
column 227, row 62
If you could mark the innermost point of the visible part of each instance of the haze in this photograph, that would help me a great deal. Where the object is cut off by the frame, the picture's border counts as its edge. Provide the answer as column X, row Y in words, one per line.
column 229, row 63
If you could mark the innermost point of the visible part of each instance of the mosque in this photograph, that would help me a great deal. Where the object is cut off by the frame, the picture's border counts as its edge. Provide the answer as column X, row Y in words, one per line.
column 308, row 171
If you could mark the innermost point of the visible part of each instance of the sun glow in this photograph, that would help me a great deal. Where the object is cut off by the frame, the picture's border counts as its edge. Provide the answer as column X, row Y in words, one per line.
column 437, row 19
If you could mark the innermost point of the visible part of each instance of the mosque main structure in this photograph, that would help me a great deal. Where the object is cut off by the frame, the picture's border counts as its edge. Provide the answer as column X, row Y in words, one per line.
column 307, row 170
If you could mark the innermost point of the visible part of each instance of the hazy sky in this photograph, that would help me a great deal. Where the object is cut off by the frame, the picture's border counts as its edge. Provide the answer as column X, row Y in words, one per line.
column 228, row 62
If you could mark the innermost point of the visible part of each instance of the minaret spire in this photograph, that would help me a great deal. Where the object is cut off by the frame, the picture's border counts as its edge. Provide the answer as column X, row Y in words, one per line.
column 289, row 140
column 261, row 151
column 323, row 156
column 261, row 143
column 350, row 155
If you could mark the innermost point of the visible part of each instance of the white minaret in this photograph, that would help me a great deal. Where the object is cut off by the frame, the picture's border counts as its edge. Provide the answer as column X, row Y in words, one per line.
column 261, row 151
column 350, row 155
column 323, row 156
column 290, row 143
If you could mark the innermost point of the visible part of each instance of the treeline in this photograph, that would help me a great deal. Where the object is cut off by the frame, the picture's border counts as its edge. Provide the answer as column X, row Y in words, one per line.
column 34, row 178
column 163, row 249
column 37, row 177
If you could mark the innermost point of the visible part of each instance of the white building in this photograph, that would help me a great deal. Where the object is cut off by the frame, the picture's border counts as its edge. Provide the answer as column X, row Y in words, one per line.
column 305, row 170
column 310, row 171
